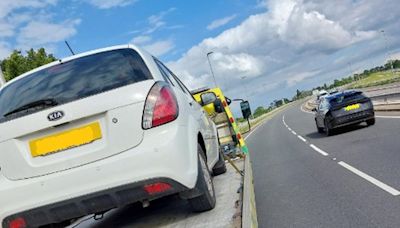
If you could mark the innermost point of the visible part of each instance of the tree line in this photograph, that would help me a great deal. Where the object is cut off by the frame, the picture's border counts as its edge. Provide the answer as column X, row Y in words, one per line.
column 18, row 63
column 392, row 64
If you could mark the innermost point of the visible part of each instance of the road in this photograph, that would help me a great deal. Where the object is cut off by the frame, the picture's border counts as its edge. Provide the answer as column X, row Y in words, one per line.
column 173, row 212
column 305, row 179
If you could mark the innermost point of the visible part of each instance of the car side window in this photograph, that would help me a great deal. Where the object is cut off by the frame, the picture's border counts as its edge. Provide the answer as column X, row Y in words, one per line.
column 320, row 105
column 163, row 73
column 184, row 88
column 324, row 105
column 170, row 76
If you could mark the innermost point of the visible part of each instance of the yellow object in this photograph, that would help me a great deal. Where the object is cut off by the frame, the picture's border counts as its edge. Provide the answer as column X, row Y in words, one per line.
column 65, row 140
column 352, row 107
column 210, row 109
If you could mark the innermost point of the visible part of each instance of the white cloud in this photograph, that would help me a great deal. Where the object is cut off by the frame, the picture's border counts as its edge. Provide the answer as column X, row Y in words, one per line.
column 15, row 14
column 293, row 80
column 157, row 48
column 156, row 21
column 4, row 50
column 160, row 48
column 37, row 33
column 107, row 4
column 6, row 29
column 141, row 40
column 7, row 6
column 220, row 22
column 293, row 43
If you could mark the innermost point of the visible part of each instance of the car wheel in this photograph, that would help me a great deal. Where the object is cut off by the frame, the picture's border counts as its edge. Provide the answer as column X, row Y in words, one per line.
column 328, row 130
column 370, row 122
column 220, row 166
column 206, row 200
column 319, row 129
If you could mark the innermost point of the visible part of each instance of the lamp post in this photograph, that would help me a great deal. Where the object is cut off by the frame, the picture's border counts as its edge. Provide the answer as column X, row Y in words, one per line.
column 211, row 69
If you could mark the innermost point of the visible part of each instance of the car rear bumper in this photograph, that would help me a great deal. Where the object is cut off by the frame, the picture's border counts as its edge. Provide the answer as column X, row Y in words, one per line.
column 168, row 153
column 353, row 118
column 94, row 203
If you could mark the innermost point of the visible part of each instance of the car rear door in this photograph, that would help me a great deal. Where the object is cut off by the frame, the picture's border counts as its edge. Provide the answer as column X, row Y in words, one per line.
column 320, row 116
column 209, row 134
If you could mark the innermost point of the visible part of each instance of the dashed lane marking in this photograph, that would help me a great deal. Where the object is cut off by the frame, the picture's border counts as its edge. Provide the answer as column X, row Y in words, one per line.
column 318, row 150
column 367, row 177
column 301, row 138
column 361, row 174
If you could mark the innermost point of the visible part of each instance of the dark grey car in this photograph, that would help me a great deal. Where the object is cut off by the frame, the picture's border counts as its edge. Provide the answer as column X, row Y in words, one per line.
column 343, row 108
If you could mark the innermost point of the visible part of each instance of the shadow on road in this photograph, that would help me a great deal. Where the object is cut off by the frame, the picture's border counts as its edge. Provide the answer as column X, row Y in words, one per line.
column 338, row 131
column 136, row 215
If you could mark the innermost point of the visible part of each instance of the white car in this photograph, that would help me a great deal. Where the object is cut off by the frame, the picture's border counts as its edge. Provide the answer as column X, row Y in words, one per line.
column 97, row 131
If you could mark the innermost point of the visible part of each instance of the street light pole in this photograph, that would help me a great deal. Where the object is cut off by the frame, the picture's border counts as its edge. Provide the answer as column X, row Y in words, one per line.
column 211, row 69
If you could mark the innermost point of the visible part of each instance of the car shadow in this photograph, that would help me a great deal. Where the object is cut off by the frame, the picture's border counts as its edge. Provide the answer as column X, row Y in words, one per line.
column 338, row 131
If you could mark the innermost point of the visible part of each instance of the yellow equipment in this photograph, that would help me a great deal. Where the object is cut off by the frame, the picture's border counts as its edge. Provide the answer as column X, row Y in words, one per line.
column 217, row 106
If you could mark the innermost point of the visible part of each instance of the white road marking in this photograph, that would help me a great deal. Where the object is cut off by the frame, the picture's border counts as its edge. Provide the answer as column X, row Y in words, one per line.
column 389, row 117
column 252, row 131
column 318, row 150
column 302, row 139
column 365, row 176
column 370, row 179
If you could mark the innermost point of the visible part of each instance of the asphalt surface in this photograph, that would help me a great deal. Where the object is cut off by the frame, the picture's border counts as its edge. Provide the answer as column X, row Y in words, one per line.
column 173, row 212
column 350, row 179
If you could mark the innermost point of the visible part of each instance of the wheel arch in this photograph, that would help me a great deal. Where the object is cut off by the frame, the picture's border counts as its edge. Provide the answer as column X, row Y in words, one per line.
column 200, row 141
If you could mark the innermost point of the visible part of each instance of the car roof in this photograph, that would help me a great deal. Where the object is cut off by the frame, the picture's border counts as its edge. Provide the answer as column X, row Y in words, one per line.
column 345, row 93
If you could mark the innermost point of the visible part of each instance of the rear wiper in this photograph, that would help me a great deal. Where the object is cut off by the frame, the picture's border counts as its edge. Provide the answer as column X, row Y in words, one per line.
column 48, row 102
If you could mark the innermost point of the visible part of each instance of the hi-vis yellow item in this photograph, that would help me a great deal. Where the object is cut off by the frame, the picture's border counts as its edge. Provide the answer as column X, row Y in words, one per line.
column 233, row 129
column 65, row 140
column 352, row 107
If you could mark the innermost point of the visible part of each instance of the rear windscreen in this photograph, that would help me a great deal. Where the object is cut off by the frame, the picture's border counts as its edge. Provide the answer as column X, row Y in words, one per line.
column 75, row 79
column 345, row 98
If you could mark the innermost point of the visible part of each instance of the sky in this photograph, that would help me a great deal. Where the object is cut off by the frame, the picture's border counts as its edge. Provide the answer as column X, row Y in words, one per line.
column 262, row 49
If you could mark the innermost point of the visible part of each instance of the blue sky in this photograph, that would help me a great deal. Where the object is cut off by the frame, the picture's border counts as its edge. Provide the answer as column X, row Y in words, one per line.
column 263, row 49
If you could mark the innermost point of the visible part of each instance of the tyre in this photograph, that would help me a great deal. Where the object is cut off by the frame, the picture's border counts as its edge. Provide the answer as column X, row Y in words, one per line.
column 220, row 166
column 319, row 129
column 370, row 122
column 328, row 130
column 206, row 200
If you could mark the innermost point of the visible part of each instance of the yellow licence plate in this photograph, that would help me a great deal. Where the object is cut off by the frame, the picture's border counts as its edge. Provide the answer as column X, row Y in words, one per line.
column 65, row 140
column 352, row 107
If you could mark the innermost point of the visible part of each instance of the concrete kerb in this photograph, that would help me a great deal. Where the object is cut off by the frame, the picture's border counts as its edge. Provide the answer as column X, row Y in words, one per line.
column 249, row 210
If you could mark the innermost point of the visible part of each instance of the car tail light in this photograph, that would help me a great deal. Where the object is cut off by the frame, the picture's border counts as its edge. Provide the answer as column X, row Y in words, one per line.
column 157, row 188
column 17, row 223
column 161, row 106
